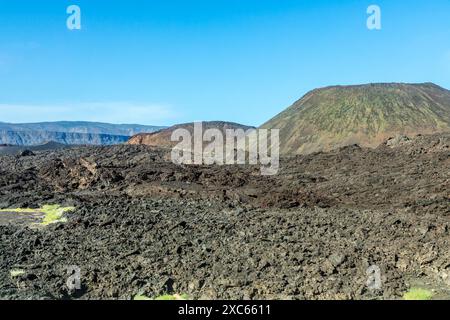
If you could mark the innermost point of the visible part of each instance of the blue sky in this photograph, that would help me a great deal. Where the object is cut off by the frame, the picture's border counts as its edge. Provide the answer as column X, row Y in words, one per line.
column 168, row 61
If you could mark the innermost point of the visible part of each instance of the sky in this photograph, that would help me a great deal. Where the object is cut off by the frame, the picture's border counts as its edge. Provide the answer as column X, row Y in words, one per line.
column 161, row 62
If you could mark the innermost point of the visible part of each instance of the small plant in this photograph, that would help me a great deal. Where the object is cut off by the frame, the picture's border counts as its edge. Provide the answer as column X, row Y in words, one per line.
column 418, row 294
column 54, row 213
column 141, row 297
column 173, row 297
column 16, row 273
column 163, row 297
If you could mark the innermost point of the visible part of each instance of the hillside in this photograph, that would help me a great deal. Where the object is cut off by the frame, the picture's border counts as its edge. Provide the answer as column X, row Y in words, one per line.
column 68, row 132
column 367, row 115
column 81, row 127
column 33, row 138
column 162, row 138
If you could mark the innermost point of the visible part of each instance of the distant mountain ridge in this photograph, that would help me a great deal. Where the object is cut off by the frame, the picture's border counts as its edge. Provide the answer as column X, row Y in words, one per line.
column 367, row 115
column 33, row 138
column 81, row 127
column 70, row 132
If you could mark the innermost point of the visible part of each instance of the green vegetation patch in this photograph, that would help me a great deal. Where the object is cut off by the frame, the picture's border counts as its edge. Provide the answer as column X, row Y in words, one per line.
column 21, row 210
column 52, row 213
column 16, row 273
column 418, row 294
column 164, row 297
column 141, row 297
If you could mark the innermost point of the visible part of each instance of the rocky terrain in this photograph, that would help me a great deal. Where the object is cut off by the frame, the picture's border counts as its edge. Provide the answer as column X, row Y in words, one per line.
column 24, row 150
column 367, row 115
column 143, row 225
column 69, row 132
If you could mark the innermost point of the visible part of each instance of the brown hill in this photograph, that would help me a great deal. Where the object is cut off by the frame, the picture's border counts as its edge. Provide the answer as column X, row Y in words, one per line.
column 366, row 115
column 162, row 138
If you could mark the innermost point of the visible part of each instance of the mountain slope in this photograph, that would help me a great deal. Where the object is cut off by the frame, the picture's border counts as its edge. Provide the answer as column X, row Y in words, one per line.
column 81, row 127
column 33, row 138
column 367, row 115
column 162, row 138
column 70, row 132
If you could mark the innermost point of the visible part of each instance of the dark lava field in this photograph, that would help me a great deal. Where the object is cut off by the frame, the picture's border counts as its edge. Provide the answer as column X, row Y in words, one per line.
column 143, row 225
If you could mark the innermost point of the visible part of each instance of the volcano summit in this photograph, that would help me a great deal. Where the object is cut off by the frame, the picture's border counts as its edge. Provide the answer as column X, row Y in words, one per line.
column 366, row 115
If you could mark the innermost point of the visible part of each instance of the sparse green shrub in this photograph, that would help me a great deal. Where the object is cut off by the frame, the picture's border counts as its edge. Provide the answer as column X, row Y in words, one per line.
column 418, row 294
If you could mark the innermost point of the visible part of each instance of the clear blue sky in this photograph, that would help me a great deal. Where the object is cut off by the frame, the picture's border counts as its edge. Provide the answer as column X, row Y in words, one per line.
column 166, row 61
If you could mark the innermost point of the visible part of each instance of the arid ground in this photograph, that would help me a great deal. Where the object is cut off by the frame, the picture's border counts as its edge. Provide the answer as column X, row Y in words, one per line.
column 143, row 225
